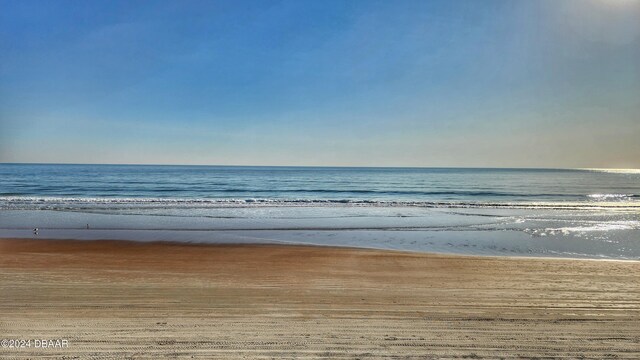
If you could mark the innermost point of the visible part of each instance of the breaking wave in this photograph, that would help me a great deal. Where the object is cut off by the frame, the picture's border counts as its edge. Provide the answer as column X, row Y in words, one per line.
column 79, row 203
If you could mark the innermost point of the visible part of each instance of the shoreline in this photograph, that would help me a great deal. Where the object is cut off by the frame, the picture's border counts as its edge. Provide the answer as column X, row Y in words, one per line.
column 311, row 245
column 117, row 299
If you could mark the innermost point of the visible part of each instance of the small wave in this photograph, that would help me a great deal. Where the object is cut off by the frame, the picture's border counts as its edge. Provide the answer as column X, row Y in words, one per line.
column 585, row 227
column 70, row 191
column 80, row 203
column 612, row 197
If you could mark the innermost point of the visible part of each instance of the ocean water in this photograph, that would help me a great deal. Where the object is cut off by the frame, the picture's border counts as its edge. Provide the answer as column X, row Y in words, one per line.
column 586, row 213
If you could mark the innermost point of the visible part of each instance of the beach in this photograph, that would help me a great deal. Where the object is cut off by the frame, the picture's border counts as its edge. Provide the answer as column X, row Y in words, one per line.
column 319, row 179
column 120, row 299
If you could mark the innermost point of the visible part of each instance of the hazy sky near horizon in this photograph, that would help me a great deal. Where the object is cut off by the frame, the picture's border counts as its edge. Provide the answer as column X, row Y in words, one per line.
column 548, row 83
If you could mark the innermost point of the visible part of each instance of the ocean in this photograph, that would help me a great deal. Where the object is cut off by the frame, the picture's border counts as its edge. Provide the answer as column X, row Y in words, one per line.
column 577, row 213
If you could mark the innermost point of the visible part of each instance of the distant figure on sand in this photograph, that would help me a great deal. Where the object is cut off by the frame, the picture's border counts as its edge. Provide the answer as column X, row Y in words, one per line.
column 35, row 231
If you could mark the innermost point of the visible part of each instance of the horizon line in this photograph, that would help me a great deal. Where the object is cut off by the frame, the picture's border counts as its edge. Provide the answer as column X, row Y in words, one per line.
column 321, row 166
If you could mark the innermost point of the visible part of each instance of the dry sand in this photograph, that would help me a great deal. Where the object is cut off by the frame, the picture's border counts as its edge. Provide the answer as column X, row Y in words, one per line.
column 118, row 300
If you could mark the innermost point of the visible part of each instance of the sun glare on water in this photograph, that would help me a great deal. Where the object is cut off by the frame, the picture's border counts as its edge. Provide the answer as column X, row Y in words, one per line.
column 615, row 171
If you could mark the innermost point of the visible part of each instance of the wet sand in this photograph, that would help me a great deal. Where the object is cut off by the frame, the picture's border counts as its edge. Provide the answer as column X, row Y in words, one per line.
column 114, row 299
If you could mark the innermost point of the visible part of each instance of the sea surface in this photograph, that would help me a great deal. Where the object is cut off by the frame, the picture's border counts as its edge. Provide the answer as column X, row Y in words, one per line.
column 578, row 213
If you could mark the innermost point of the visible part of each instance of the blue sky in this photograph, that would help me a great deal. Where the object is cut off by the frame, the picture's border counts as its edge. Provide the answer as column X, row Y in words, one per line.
column 552, row 83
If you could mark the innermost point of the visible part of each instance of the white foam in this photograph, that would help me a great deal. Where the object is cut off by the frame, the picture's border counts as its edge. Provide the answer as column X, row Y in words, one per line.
column 66, row 203
column 604, row 197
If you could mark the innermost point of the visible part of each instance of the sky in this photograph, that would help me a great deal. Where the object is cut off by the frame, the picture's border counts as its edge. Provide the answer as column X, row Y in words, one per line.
column 527, row 83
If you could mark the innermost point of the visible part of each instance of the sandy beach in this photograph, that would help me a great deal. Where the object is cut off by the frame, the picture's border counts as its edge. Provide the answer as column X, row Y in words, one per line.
column 115, row 299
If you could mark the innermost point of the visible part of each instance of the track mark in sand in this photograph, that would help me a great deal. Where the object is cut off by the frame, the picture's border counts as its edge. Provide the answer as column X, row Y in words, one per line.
column 309, row 303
